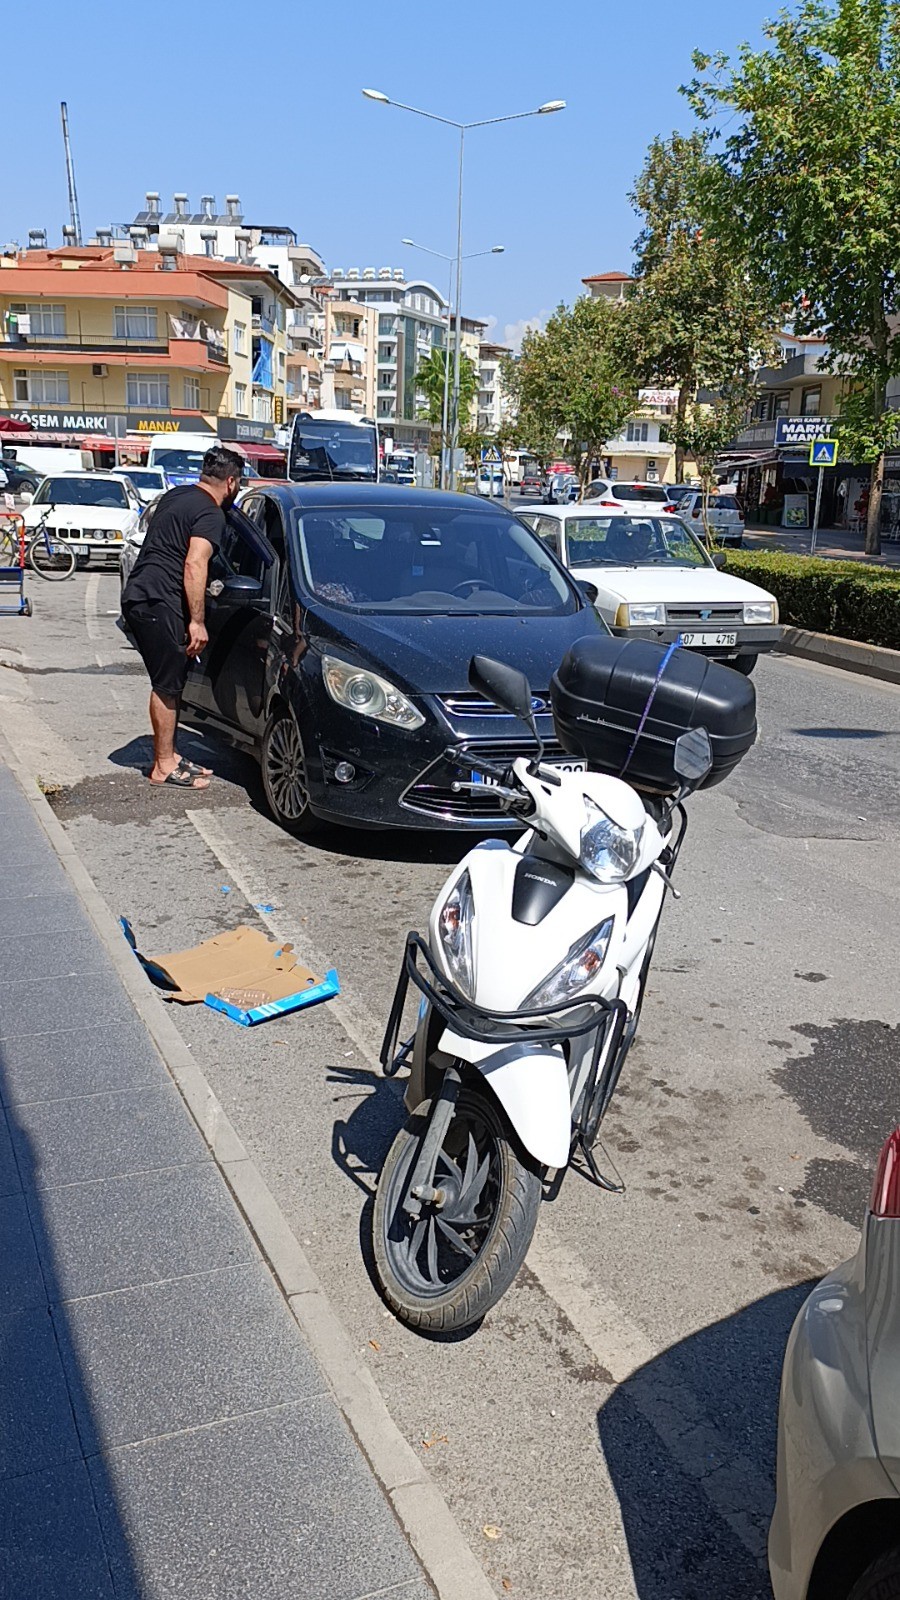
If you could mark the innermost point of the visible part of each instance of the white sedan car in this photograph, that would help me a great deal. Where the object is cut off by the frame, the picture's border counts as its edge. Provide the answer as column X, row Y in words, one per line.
column 93, row 512
column 654, row 580
column 614, row 495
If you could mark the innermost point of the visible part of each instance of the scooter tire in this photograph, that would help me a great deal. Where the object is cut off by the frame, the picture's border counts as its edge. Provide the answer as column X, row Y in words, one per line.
column 518, row 1196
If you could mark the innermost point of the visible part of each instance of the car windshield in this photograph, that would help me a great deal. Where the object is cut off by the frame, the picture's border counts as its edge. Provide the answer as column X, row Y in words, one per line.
column 81, row 492
column 431, row 561
column 724, row 502
column 640, row 491
column 146, row 480
column 187, row 461
column 676, row 492
column 611, row 541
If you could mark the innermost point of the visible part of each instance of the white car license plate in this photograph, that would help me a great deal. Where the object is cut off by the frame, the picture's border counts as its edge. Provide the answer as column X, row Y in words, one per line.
column 561, row 763
column 718, row 641
column 79, row 549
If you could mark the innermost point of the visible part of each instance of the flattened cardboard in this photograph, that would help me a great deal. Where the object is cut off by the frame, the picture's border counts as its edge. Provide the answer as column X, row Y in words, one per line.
column 242, row 973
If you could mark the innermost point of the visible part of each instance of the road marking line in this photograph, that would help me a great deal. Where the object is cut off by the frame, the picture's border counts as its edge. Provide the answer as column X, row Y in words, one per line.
column 352, row 1018
column 91, row 619
column 734, row 1486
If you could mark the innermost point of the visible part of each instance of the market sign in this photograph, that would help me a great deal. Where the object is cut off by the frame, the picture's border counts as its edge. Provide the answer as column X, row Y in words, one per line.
column 800, row 430
column 64, row 421
column 148, row 423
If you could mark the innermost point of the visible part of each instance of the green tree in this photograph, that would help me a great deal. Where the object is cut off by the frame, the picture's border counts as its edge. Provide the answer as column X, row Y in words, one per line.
column 698, row 318
column 430, row 380
column 807, row 162
column 573, row 380
column 705, row 432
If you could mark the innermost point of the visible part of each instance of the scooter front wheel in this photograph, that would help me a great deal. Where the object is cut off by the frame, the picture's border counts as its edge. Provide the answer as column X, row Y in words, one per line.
column 443, row 1270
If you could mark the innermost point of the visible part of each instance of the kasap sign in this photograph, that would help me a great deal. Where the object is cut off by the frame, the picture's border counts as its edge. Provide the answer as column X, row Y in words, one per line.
column 800, row 430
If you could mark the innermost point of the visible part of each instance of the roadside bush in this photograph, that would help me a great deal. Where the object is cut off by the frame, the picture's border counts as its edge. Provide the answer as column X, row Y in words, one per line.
column 844, row 598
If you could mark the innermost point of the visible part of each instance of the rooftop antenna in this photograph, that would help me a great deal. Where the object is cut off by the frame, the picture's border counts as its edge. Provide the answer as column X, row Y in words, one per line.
column 70, row 175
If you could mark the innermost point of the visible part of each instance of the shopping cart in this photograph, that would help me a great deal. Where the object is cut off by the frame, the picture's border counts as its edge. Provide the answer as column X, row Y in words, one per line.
column 12, row 564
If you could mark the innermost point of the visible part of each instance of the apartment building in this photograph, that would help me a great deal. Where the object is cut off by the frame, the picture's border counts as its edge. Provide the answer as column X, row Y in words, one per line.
column 405, row 319
column 110, row 340
column 491, row 401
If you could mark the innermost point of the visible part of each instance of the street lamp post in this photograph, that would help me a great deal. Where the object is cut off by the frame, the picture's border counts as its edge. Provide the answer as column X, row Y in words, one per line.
column 495, row 250
column 462, row 129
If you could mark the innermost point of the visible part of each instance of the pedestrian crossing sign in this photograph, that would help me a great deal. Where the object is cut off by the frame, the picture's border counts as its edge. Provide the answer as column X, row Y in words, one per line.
column 823, row 453
column 491, row 456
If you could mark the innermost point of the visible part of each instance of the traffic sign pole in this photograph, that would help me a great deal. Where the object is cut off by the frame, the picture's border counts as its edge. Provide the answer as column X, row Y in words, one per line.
column 815, row 526
column 822, row 453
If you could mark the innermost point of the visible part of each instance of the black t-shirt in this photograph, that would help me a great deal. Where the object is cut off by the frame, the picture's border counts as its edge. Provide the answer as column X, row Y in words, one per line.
column 180, row 515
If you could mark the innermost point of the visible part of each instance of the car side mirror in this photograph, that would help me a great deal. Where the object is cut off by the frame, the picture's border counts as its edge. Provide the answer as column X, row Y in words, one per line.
column 719, row 559
column 588, row 589
column 238, row 586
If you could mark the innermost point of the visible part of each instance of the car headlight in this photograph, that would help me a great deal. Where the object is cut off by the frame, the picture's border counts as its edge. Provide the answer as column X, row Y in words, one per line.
column 455, row 929
column 641, row 616
column 761, row 611
column 608, row 852
column 363, row 691
column 582, row 963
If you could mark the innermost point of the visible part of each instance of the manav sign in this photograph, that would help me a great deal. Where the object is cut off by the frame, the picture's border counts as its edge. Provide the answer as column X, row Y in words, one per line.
column 800, row 430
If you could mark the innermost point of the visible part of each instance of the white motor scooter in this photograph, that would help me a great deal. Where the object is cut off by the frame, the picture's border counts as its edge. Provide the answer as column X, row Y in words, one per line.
column 532, row 981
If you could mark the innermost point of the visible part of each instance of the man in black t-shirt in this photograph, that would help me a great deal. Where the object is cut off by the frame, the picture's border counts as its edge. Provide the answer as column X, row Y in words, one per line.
column 165, row 597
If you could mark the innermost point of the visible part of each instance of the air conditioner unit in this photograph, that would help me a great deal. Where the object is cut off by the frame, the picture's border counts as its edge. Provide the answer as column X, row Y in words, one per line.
column 100, row 369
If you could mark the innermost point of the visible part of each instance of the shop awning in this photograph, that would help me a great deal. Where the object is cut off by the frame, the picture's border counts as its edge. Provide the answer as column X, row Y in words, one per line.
column 763, row 458
column 261, row 452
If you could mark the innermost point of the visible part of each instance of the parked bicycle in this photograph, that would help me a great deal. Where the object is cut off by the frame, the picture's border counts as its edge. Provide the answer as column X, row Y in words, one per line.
column 49, row 556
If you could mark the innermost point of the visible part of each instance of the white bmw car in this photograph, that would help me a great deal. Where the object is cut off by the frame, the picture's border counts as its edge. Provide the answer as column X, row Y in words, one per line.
column 93, row 512
column 655, row 580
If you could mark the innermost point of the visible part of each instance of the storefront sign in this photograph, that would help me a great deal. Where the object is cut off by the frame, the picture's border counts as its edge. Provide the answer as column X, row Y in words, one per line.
column 63, row 421
column 148, row 423
column 800, row 430
column 115, row 423
column 253, row 432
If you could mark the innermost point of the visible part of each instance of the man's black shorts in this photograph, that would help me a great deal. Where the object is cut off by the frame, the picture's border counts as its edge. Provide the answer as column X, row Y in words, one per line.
column 159, row 633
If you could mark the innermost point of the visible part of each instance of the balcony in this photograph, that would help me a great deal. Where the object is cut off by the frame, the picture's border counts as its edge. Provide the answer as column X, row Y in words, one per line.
column 263, row 324
column 639, row 447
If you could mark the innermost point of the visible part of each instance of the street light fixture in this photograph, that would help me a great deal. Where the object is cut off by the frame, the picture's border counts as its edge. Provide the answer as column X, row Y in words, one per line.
column 462, row 128
column 495, row 250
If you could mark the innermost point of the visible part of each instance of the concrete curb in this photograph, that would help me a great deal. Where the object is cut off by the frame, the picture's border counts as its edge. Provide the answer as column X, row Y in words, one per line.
column 871, row 660
column 418, row 1505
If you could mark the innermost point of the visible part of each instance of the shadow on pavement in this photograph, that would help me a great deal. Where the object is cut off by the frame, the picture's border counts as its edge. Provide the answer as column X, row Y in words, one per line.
column 689, row 1441
column 51, row 1490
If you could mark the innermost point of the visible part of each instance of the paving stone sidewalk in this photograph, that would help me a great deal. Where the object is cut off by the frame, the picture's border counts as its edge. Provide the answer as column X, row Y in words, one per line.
column 164, row 1430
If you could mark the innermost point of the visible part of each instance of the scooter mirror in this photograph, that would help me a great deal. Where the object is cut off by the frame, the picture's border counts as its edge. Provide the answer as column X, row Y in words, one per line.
column 693, row 755
column 509, row 689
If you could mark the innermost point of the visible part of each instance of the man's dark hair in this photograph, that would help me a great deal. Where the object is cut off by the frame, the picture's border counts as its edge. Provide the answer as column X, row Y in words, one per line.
column 221, row 463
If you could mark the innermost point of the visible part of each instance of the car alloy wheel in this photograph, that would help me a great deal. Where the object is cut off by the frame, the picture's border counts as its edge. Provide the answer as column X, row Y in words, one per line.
column 284, row 774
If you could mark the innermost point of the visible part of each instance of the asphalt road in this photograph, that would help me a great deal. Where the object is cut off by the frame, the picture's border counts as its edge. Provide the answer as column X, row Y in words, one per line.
column 608, row 1432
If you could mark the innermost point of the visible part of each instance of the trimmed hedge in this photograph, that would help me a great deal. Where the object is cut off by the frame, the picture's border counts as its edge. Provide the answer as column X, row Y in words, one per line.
column 844, row 598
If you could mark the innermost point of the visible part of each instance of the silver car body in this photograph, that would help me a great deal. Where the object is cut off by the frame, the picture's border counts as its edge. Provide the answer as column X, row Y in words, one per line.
column 838, row 1472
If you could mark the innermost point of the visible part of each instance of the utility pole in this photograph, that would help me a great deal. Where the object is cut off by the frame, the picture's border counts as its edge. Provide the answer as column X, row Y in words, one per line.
column 74, row 218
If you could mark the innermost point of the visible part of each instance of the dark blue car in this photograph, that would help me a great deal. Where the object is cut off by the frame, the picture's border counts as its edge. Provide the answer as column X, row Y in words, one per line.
column 342, row 620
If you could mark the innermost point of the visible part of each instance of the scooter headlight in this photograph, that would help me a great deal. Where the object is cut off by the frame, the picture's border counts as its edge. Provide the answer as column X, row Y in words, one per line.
column 608, row 852
column 582, row 963
column 455, row 929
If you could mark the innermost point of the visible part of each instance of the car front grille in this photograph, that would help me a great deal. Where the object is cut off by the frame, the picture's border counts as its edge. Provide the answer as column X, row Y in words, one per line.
column 469, row 704
column 432, row 792
column 709, row 615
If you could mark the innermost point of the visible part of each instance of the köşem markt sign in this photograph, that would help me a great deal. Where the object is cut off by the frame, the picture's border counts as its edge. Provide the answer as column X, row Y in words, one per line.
column 114, row 423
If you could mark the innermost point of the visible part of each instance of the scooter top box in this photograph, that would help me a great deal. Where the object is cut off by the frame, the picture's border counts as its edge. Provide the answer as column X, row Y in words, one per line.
column 600, row 692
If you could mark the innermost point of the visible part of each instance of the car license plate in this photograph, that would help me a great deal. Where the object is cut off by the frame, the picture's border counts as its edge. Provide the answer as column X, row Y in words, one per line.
column 79, row 549
column 718, row 641
column 561, row 763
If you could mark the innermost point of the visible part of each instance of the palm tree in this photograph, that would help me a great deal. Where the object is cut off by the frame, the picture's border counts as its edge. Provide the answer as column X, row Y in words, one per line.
column 430, row 378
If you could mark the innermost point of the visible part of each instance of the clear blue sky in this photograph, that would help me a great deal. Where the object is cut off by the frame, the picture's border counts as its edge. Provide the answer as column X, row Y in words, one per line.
column 265, row 101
